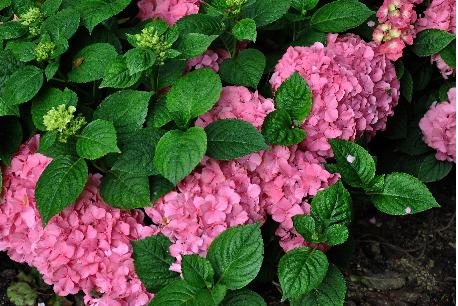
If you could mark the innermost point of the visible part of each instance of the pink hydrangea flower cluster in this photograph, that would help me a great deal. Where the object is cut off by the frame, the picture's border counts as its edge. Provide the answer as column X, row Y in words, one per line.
column 85, row 247
column 441, row 15
column 211, row 59
column 354, row 89
column 439, row 127
column 169, row 10
column 396, row 27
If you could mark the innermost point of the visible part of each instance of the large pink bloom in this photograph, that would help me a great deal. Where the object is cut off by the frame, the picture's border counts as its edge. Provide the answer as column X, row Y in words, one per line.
column 354, row 89
column 439, row 127
column 169, row 10
column 85, row 247
column 209, row 58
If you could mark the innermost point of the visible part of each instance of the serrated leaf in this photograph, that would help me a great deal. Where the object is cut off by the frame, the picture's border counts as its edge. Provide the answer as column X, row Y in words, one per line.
column 246, row 69
column 201, row 23
column 139, row 59
column 11, row 30
column 229, row 139
column 197, row 271
column 159, row 187
column 193, row 95
column 264, row 12
column 90, row 63
column 159, row 115
column 53, row 149
column 64, row 24
column 432, row 170
column 354, row 163
column 336, row 234
column 301, row 270
column 59, row 185
column 117, row 75
column 306, row 226
column 332, row 205
column 294, row 97
column 180, row 293
column 243, row 297
column 97, row 139
column 50, row 7
column 448, row 54
column 152, row 262
column 138, row 152
column 340, row 16
column 330, row 292
column 278, row 129
column 22, row 50
column 403, row 194
column 124, row 190
column 236, row 255
column 46, row 100
column 9, row 65
column 178, row 153
column 193, row 44
column 94, row 12
column 23, row 85
column 431, row 41
column 8, row 110
column 245, row 29
column 51, row 70
column 168, row 73
column 11, row 137
column 127, row 109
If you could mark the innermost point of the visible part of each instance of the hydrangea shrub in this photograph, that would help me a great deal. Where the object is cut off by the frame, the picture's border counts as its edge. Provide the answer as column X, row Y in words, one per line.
column 144, row 144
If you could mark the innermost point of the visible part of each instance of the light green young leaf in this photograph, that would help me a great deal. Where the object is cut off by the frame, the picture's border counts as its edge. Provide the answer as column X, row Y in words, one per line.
column 294, row 96
column 233, row 138
column 236, row 255
column 246, row 69
column 193, row 95
column 60, row 185
column 197, row 271
column 178, row 153
column 97, row 139
column 90, row 63
column 403, row 194
column 245, row 29
column 431, row 41
column 301, row 270
column 278, row 129
column 340, row 16
column 152, row 262
column 23, row 85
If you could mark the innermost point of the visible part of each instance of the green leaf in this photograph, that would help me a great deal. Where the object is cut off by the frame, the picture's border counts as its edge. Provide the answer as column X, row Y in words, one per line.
column 218, row 293
column 46, row 100
column 229, row 139
column 294, row 96
column 336, row 234
column 236, row 255
column 407, row 86
column 193, row 95
column 4, row 4
column 94, row 12
column 193, row 44
column 243, row 297
column 180, row 293
column 431, row 41
column 51, row 70
column 22, row 50
column 50, row 7
column 178, row 153
column 152, row 262
column 200, row 23
column 304, row 5
column 23, row 85
column 52, row 148
column 245, row 29
column 169, row 72
column 64, row 24
column 60, row 185
column 9, row 65
column 127, row 110
column 246, row 69
column 197, row 271
column 403, row 194
column 432, row 170
column 139, row 59
column 301, row 270
column 97, row 139
column 330, row 292
column 11, row 135
column 117, row 75
column 89, row 64
column 264, row 12
column 159, row 187
column 159, row 115
column 138, row 152
column 126, row 191
column 8, row 110
column 354, row 163
column 278, row 129
column 11, row 30
column 306, row 226
column 448, row 54
column 332, row 205
column 400, row 69
column 340, row 16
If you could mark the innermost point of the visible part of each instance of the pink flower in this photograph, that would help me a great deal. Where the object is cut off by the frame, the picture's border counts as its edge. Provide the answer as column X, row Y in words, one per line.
column 354, row 89
column 392, row 48
column 439, row 127
column 210, row 58
column 169, row 10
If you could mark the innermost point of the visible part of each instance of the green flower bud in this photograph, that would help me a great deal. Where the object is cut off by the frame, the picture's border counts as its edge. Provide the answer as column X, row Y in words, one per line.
column 62, row 120
column 32, row 19
column 149, row 38
column 235, row 6
column 44, row 51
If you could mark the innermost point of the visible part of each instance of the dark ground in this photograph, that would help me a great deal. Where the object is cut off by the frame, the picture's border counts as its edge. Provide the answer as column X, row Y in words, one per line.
column 396, row 261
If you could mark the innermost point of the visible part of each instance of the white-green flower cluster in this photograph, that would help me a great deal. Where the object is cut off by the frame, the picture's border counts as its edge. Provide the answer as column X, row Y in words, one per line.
column 33, row 20
column 61, row 119
column 44, row 51
column 150, row 38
